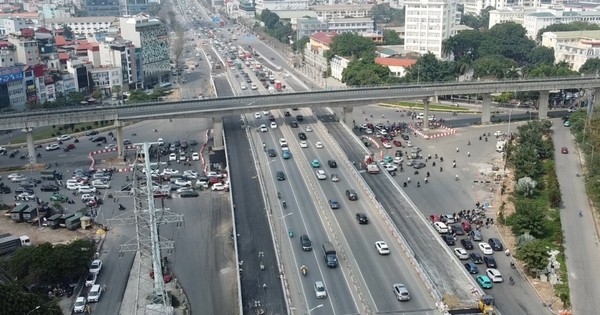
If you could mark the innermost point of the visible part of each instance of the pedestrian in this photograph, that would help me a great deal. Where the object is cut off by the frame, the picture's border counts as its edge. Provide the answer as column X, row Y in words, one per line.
column 104, row 287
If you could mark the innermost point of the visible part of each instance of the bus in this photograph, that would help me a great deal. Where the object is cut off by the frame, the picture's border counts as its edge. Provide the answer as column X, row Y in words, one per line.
column 166, row 85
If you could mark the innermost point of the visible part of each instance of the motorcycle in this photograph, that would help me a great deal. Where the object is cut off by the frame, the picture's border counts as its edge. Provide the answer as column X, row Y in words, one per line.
column 304, row 270
column 121, row 207
column 291, row 233
column 284, row 204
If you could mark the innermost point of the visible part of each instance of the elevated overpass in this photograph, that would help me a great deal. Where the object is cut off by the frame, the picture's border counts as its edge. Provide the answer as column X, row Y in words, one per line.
column 346, row 98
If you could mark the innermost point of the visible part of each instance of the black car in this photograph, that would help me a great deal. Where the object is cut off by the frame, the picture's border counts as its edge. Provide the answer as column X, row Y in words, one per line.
column 458, row 230
column 476, row 258
column 301, row 136
column 91, row 132
column 294, row 124
column 405, row 137
column 20, row 190
column 177, row 143
column 271, row 118
column 280, row 175
column 351, row 194
column 299, row 117
column 271, row 153
column 466, row 244
column 49, row 188
column 362, row 218
column 99, row 139
column 5, row 189
column 332, row 163
column 184, row 144
column 286, row 113
column 305, row 242
column 490, row 262
column 188, row 194
column 495, row 244
column 27, row 184
column 448, row 239
column 193, row 142
column 126, row 142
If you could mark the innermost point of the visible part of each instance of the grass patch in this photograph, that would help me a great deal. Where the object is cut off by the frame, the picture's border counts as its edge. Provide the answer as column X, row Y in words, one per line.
column 417, row 105
column 51, row 132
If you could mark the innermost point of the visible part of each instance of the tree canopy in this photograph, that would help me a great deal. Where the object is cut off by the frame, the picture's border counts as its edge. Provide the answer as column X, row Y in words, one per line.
column 430, row 69
column 495, row 66
column 573, row 26
column 16, row 300
column 390, row 37
column 591, row 66
column 352, row 45
column 382, row 13
column 365, row 72
column 478, row 22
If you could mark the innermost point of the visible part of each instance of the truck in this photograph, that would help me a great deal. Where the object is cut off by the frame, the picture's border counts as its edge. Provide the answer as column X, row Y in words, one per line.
column 10, row 243
column 330, row 255
column 500, row 146
column 16, row 214
column 278, row 85
column 51, row 175
column 372, row 168
column 74, row 222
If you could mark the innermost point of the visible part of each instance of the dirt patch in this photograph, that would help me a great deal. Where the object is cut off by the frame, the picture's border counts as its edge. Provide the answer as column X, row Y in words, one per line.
column 44, row 234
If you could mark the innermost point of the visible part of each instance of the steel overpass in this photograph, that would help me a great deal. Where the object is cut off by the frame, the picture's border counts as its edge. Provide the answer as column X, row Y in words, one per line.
column 346, row 98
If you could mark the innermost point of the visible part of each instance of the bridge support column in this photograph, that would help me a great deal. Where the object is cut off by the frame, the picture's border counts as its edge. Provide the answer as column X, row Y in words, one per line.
column 120, row 149
column 486, row 109
column 348, row 117
column 30, row 145
column 426, row 112
column 217, row 133
column 543, row 105
column 595, row 103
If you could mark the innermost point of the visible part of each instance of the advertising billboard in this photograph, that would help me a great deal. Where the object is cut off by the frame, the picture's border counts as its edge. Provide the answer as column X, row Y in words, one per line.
column 10, row 74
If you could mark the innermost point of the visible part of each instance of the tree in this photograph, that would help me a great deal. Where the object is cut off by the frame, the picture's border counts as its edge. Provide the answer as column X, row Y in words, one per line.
column 573, row 26
column 390, row 37
column 509, row 40
column 383, row 13
column 269, row 18
column 351, row 45
column 591, row 66
column 97, row 94
column 138, row 96
column 529, row 218
column 526, row 186
column 15, row 300
column 301, row 44
column 545, row 70
column 496, row 67
column 74, row 98
column 526, row 161
column 154, row 8
column 541, row 55
column 68, row 32
column 365, row 72
column 534, row 254
column 481, row 21
column 464, row 44
column 430, row 69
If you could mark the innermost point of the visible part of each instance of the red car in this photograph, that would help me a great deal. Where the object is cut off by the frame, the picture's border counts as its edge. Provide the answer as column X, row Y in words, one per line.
column 564, row 150
column 69, row 147
column 466, row 226
column 397, row 143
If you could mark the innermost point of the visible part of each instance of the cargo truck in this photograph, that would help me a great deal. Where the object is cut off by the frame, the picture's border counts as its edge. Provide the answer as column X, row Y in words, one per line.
column 16, row 214
column 9, row 244
column 51, row 175
column 330, row 255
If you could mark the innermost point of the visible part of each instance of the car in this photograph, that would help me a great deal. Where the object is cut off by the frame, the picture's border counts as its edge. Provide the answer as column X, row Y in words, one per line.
column 183, row 182
column 471, row 268
column 494, row 275
column 271, row 153
column 390, row 167
column 173, row 157
column 193, row 142
column 301, row 136
column 315, row 163
column 475, row 235
column 319, row 145
column 286, row 154
column 243, row 86
column 13, row 175
column 110, row 146
column 485, row 248
column 321, row 174
column 490, row 262
column 448, row 239
column 294, row 124
column 69, row 147
column 305, row 242
column 273, row 125
column 52, row 147
column 266, row 112
column 387, row 145
column 126, row 142
column 263, row 128
column 418, row 164
column 447, row 218
column 86, row 189
column 90, row 280
column 170, row 171
column 25, row 196
column 309, row 129
column 382, row 248
column 401, row 292
column 484, row 282
column 333, row 204
column 182, row 156
column 332, row 163
column 179, row 190
column 280, row 175
column 466, row 244
column 98, row 139
column 458, row 230
column 63, row 138
column 58, row 197
column 398, row 160
column 218, row 187
column 271, row 118
column 99, row 184
column 567, row 124
column 564, row 150
column 320, row 291
column 253, row 86
column 496, row 244
column 466, row 226
column 94, row 294
column 299, row 117
column 287, row 113
column 79, row 306
column 283, row 143
column 461, row 253
column 49, row 188
column 161, row 141
column 91, row 132
column 195, row 156
column 498, row 133
column 188, row 194
column 184, row 144
column 362, row 218
column 303, row 144
column 335, row 178
column 476, row 258
column 440, row 227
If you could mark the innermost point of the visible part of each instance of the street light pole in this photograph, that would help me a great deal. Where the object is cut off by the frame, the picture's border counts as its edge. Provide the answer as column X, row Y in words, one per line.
column 509, row 117
column 35, row 309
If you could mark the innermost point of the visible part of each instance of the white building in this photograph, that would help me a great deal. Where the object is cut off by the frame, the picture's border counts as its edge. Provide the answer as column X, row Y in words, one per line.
column 54, row 11
column 13, row 25
column 341, row 11
column 574, row 47
column 280, row 5
column 352, row 25
column 338, row 64
column 534, row 22
column 8, row 54
column 427, row 24
column 106, row 78
column 27, row 50
column 86, row 26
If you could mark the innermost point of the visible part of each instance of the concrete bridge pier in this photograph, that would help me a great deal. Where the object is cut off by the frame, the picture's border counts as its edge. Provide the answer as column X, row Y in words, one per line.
column 120, row 149
column 543, row 105
column 426, row 112
column 30, row 145
column 486, row 109
column 348, row 117
column 217, row 133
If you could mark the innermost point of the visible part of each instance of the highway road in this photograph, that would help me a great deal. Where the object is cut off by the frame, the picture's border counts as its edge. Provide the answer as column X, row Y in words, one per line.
column 581, row 236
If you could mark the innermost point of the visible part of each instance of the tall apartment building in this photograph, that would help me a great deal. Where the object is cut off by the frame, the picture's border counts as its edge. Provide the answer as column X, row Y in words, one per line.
column 54, row 11
column 340, row 11
column 26, row 48
column 121, row 53
column 8, row 55
column 427, row 24
column 150, row 35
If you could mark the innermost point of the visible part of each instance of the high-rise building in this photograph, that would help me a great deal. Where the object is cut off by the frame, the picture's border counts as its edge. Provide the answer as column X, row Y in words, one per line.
column 26, row 48
column 427, row 24
column 121, row 53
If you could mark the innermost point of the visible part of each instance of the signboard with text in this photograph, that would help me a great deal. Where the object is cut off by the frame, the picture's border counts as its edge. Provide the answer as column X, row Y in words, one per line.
column 10, row 74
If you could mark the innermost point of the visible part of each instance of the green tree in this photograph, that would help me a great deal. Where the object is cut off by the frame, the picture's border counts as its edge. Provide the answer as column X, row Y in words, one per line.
column 97, row 94
column 301, row 44
column 365, row 72
column 526, row 161
column 573, row 26
column 534, row 254
column 16, row 300
column 74, row 98
column 478, row 22
column 430, row 69
column 138, row 96
column 496, row 67
column 541, row 55
column 545, row 71
column 529, row 218
column 591, row 66
column 269, row 18
column 390, row 37
column 352, row 45
column 382, row 13
column 464, row 44
column 509, row 40
column 68, row 32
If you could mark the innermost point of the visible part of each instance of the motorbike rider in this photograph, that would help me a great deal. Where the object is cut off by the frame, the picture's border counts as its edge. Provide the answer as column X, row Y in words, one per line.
column 304, row 270
column 284, row 204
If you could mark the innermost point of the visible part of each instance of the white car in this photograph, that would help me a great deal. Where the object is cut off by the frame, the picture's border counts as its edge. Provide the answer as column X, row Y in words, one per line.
column 320, row 291
column 96, row 266
column 218, row 187
column 440, row 227
column 390, row 167
column 173, row 157
column 263, row 128
column 243, row 86
column 100, row 184
column 486, row 249
column 303, row 144
column 195, row 156
column 409, row 143
column 91, row 279
column 63, row 138
column 283, row 142
column 266, row 112
column 257, row 115
column 86, row 189
column 25, row 196
column 253, row 86
column 183, row 182
column 182, row 156
column 494, row 275
column 382, row 248
column 461, row 253
column 110, row 146
column 387, row 145
column 398, row 160
column 13, row 175
column 169, row 171
column 94, row 294
column 273, row 125
column 321, row 174
column 52, row 147
column 498, row 133
column 319, row 145
column 309, row 129
column 87, row 197
column 190, row 174
column 79, row 306
column 161, row 141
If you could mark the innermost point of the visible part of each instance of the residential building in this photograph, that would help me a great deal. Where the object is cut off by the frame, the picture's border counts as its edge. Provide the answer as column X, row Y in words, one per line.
column 12, row 88
column 574, row 48
column 534, row 22
column 280, row 5
column 427, row 24
column 310, row 26
column 54, row 11
column 151, row 36
column 121, row 53
column 314, row 52
column 397, row 66
column 79, row 71
column 8, row 55
column 87, row 26
column 341, row 11
column 13, row 25
column 338, row 64
column 26, row 48
column 105, row 78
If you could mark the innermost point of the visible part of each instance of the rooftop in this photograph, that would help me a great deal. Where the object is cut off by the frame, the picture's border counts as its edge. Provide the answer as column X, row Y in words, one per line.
column 288, row 15
column 340, row 7
column 325, row 38
column 87, row 19
column 395, row 62
column 576, row 34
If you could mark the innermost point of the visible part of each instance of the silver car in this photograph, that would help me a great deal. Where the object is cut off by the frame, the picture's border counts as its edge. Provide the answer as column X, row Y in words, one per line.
column 320, row 291
column 401, row 292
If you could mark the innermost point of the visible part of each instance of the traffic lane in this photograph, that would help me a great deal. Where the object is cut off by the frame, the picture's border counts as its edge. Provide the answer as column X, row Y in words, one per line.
column 222, row 86
column 252, row 226
column 579, row 233
column 267, row 52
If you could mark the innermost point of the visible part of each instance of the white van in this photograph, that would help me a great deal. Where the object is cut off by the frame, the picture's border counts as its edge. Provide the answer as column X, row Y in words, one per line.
column 73, row 186
column 86, row 189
